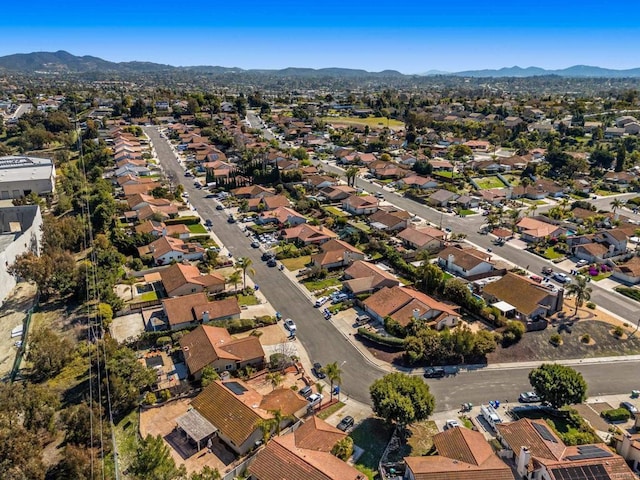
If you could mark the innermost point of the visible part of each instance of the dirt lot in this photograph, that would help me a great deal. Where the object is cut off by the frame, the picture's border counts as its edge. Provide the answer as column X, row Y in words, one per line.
column 12, row 314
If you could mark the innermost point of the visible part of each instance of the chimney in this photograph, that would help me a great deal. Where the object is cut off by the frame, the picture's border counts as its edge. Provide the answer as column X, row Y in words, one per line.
column 416, row 313
column 205, row 316
column 523, row 461
column 624, row 447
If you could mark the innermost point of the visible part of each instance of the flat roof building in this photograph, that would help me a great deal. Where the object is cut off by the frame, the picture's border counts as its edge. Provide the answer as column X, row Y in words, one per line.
column 22, row 175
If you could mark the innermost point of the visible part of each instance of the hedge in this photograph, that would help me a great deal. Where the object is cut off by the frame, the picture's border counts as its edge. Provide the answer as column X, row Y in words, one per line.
column 183, row 220
column 394, row 342
column 616, row 415
column 629, row 292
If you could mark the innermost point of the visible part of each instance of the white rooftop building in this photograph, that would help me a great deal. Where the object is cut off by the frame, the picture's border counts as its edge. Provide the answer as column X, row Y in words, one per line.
column 21, row 175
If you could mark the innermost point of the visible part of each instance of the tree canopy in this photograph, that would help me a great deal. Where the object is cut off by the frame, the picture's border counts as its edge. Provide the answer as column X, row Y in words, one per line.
column 402, row 399
column 558, row 385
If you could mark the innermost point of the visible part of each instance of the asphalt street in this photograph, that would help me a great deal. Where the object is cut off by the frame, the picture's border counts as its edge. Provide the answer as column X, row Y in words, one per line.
column 325, row 344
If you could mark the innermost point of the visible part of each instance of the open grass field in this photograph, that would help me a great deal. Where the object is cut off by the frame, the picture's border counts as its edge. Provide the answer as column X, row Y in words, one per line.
column 372, row 122
column 486, row 183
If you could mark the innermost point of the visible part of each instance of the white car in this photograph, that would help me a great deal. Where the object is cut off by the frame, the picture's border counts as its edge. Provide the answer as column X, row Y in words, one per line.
column 290, row 325
column 451, row 424
column 560, row 277
column 321, row 301
column 314, row 399
column 582, row 263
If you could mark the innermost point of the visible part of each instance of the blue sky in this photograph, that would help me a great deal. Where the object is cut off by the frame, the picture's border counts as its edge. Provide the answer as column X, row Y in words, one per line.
column 412, row 37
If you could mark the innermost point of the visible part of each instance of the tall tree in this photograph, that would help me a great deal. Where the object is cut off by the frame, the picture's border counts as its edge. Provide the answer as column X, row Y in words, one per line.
column 334, row 374
column 580, row 291
column 401, row 398
column 153, row 461
column 234, row 278
column 558, row 385
column 244, row 264
column 616, row 204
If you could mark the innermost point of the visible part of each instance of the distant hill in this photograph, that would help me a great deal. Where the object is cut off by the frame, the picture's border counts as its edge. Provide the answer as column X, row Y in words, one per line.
column 65, row 62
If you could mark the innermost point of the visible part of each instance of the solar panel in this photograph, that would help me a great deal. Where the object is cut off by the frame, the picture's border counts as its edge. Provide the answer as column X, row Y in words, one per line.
column 585, row 472
column 590, row 451
column 544, row 432
column 235, row 387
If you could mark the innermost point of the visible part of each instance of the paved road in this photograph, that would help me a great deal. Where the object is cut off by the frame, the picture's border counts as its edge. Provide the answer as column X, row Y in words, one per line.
column 323, row 342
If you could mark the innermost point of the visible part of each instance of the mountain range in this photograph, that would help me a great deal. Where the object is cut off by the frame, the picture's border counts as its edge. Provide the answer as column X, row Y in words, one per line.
column 65, row 62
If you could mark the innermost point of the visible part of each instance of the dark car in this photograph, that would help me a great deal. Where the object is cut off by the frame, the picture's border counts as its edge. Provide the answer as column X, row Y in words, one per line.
column 255, row 244
column 434, row 372
column 318, row 371
column 208, row 222
column 211, row 195
column 272, row 262
column 345, row 424
column 231, row 220
column 267, row 256
column 305, row 391
column 219, row 207
column 630, row 407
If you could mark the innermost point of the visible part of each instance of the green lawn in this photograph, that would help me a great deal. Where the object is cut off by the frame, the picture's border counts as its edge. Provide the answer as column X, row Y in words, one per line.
column 464, row 212
column 361, row 226
column 551, row 254
column 372, row 435
column 293, row 264
column 247, row 300
column 486, row 183
column 148, row 296
column 336, row 211
column 313, row 285
column 373, row 122
column 606, row 193
column 633, row 293
column 601, row 276
column 327, row 412
column 197, row 228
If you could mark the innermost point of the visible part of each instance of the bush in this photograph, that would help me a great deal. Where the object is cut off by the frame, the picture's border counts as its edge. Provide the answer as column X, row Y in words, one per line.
column 618, row 331
column 616, row 415
column 629, row 292
column 150, row 398
column 591, row 305
column 555, row 339
column 162, row 341
column 165, row 395
column 512, row 333
column 586, row 338
column 183, row 220
column 393, row 328
column 381, row 339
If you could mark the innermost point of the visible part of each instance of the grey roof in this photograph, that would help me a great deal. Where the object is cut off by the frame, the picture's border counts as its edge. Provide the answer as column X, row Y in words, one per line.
column 20, row 168
column 195, row 425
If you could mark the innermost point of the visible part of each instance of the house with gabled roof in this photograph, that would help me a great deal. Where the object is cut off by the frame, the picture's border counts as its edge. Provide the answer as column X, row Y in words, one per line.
column 389, row 219
column 337, row 193
column 423, row 238
column 320, row 181
column 405, row 305
column 441, row 198
column 268, row 202
column 160, row 229
column 253, row 191
column 463, row 454
column 180, row 279
column 191, row 310
column 521, row 298
column 417, row 181
column 281, row 216
column 304, row 454
column 165, row 249
column 307, row 234
column 335, row 254
column 360, row 205
column 535, row 230
column 539, row 453
column 208, row 346
column 365, row 277
column 466, row 262
column 628, row 272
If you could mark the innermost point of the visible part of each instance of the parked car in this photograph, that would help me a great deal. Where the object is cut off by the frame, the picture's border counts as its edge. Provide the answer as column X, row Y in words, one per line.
column 536, row 278
column 345, row 424
column 219, row 207
column 314, row 399
column 547, row 270
column 582, row 263
column 378, row 195
column 267, row 256
column 434, row 372
column 231, row 219
column 363, row 319
column 451, row 424
column 208, row 222
column 272, row 262
column 341, row 297
column 321, row 301
column 318, row 371
column 290, row 325
column 255, row 244
column 529, row 397
column 560, row 277
column 629, row 406
column 305, row 391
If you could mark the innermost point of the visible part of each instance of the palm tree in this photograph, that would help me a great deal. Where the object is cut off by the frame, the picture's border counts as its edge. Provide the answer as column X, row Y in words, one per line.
column 351, row 174
column 244, row 264
column 526, row 183
column 275, row 378
column 580, row 290
column 334, row 374
column 278, row 418
column 564, row 202
column 234, row 278
column 266, row 425
column 616, row 204
column 532, row 209
column 514, row 215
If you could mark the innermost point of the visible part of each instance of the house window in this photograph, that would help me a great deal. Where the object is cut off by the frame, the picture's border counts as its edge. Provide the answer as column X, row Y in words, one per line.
column 193, row 290
column 229, row 366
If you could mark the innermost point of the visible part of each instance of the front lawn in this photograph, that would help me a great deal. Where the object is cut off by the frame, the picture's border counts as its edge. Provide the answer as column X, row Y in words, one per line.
column 327, row 412
column 197, row 228
column 551, row 254
column 149, row 296
column 464, row 212
column 297, row 263
column 313, row 285
column 247, row 300
column 486, row 183
column 372, row 435
column 361, row 226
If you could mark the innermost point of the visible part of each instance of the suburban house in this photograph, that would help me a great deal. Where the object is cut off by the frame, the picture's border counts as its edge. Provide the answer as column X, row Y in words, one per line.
column 307, row 234
column 160, row 229
column 166, row 249
column 21, row 175
column 180, row 279
column 191, row 310
column 20, row 232
column 599, row 246
column 214, row 347
column 335, row 254
column 232, row 411
column 628, row 272
column 357, row 205
column 463, row 454
column 416, row 181
column 141, row 200
column 619, row 180
column 365, row 277
column 320, row 181
column 440, row 164
column 441, row 198
column 404, row 305
column 163, row 212
column 539, row 453
column 466, row 262
column 521, row 298
column 534, row 230
column 268, row 202
column 389, row 219
column 135, row 188
column 628, row 447
column 467, row 201
column 424, row 238
column 253, row 191
column 337, row 193
column 281, row 216
column 304, row 453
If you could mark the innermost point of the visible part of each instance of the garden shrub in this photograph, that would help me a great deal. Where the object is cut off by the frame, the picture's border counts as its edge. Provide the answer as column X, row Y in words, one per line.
column 616, row 415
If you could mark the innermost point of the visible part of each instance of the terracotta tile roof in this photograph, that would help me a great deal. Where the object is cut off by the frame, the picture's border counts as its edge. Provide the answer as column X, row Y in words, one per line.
column 308, row 233
column 388, row 219
column 338, row 245
column 283, row 460
column 462, row 455
column 421, row 236
column 224, row 410
column 179, row 274
column 137, row 188
column 164, row 245
column 631, row 267
column 356, row 201
column 217, row 309
column 316, row 434
column 282, row 214
column 536, row 228
column 252, row 191
column 284, row 399
column 522, row 433
column 465, row 258
column 276, row 201
column 373, row 275
column 524, row 294
column 180, row 309
column 199, row 346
